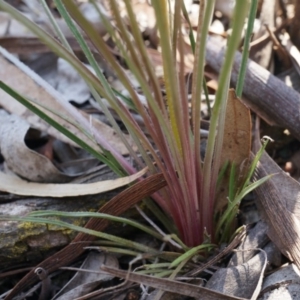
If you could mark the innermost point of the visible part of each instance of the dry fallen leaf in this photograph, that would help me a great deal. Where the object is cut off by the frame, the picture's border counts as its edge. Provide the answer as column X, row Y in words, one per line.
column 237, row 131
column 236, row 142
column 22, row 160
column 15, row 185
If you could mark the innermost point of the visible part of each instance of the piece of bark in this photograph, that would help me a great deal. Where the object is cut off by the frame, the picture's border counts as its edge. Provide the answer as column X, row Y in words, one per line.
column 266, row 95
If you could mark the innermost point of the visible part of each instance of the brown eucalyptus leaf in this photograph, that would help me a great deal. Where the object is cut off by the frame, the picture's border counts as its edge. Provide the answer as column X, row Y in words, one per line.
column 236, row 142
column 237, row 131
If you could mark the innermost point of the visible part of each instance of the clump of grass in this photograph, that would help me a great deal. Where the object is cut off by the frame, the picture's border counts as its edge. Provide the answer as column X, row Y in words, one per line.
column 174, row 144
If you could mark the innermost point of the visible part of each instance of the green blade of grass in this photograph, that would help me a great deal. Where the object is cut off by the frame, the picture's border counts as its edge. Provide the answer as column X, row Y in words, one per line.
column 121, row 241
column 229, row 212
column 205, row 16
column 232, row 182
column 97, row 215
column 55, row 26
column 191, row 253
column 246, row 49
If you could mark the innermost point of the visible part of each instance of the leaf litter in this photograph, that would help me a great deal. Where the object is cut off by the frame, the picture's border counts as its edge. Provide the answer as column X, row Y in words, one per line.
column 286, row 190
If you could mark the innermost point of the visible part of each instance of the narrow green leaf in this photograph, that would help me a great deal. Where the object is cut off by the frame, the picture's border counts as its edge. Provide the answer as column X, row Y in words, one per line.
column 246, row 48
column 235, row 203
column 97, row 215
column 232, row 182
column 191, row 253
column 120, row 241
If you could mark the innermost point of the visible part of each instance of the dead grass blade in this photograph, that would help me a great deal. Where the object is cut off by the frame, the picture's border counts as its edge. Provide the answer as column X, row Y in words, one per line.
column 173, row 286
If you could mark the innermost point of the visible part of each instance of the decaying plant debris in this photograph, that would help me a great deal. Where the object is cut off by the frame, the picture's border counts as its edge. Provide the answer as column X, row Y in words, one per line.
column 171, row 128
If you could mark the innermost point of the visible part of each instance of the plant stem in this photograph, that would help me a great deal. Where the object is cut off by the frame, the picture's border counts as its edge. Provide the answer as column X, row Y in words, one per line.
column 246, row 49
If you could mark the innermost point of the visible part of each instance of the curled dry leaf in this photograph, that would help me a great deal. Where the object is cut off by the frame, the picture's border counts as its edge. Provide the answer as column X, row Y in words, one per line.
column 19, row 158
column 15, row 185
column 237, row 131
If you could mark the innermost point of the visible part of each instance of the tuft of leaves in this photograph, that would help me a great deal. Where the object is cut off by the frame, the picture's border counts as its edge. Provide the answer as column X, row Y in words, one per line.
column 174, row 129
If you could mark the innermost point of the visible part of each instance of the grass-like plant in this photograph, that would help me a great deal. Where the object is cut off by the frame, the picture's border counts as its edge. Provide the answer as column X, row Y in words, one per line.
column 174, row 128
